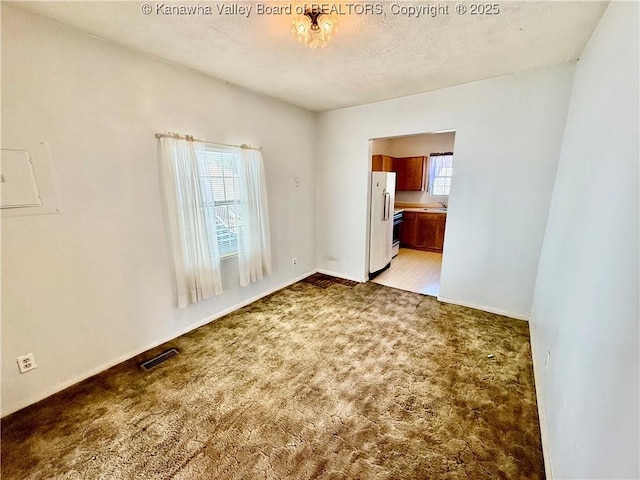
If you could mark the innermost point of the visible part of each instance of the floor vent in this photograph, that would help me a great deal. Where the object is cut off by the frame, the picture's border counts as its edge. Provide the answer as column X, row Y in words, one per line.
column 155, row 361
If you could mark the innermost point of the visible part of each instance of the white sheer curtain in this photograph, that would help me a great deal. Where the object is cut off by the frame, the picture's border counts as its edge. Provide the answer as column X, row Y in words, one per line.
column 440, row 166
column 196, row 259
column 254, row 244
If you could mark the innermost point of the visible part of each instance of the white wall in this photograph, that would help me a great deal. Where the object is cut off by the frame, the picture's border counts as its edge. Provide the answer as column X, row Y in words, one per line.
column 586, row 303
column 508, row 136
column 416, row 146
column 93, row 285
column 381, row 146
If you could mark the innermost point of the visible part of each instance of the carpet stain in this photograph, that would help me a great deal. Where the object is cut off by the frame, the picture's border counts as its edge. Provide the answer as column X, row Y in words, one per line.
column 346, row 381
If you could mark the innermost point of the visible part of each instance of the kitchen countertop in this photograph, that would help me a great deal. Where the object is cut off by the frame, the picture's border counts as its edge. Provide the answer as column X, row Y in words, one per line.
column 420, row 209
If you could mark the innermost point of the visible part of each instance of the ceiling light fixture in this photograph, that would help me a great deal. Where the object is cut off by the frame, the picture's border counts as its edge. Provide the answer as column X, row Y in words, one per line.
column 315, row 28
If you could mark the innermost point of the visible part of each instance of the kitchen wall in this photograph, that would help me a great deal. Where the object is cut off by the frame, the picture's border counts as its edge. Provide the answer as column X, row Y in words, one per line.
column 585, row 312
column 415, row 146
column 93, row 285
column 508, row 136
column 381, row 146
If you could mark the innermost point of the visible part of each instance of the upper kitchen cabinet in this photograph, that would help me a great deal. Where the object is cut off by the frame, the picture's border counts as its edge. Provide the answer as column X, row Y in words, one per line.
column 410, row 173
column 382, row 163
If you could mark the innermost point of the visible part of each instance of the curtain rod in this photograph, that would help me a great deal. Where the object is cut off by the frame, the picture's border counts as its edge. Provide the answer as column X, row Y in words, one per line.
column 440, row 154
column 191, row 138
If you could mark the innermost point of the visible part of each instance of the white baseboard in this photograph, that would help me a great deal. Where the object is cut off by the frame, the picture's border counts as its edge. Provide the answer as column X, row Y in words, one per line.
column 484, row 308
column 134, row 353
column 340, row 275
column 542, row 417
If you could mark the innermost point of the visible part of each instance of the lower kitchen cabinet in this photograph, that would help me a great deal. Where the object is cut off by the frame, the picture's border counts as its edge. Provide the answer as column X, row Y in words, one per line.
column 423, row 230
column 442, row 223
column 408, row 229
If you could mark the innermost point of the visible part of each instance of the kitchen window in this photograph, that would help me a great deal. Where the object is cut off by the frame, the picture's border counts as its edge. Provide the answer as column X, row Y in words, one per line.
column 440, row 173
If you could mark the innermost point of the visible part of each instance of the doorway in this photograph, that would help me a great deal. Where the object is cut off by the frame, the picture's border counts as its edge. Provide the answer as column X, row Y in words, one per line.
column 413, row 270
column 423, row 164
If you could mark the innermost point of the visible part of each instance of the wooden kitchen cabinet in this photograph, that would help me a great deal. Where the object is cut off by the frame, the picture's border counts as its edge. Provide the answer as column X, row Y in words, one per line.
column 410, row 173
column 442, row 223
column 423, row 230
column 382, row 163
column 427, row 231
column 408, row 229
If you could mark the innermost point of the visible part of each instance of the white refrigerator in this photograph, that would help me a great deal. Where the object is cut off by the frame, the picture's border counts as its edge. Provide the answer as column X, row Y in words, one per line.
column 383, row 193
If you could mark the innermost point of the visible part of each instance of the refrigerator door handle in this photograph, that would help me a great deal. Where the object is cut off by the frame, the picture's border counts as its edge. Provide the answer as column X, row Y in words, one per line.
column 384, row 206
column 387, row 206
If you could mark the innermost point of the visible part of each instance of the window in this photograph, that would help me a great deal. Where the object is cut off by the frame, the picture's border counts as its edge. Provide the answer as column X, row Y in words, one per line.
column 440, row 173
column 216, row 206
column 218, row 173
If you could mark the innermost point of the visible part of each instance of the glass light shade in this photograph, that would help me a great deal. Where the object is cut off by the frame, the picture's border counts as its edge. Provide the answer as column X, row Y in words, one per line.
column 316, row 33
column 301, row 29
column 327, row 26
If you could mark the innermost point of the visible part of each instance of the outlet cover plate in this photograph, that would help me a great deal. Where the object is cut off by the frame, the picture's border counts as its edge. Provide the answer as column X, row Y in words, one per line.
column 26, row 363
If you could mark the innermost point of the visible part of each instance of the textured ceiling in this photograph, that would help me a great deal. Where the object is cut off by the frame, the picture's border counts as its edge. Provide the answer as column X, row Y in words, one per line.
column 373, row 57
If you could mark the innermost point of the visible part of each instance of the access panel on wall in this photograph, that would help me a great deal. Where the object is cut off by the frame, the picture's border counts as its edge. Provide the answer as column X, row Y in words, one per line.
column 19, row 187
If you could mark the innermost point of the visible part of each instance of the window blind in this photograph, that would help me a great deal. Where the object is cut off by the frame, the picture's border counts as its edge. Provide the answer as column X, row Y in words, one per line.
column 218, row 174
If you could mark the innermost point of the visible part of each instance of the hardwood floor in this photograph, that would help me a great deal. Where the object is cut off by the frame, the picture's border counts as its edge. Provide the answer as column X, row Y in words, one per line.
column 413, row 270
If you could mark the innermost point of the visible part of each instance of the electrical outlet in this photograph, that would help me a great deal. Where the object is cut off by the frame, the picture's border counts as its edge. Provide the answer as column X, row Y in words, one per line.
column 26, row 362
column 296, row 182
column 294, row 262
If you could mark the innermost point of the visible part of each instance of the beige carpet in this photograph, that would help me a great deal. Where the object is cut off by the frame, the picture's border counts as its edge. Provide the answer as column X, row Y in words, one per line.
column 321, row 380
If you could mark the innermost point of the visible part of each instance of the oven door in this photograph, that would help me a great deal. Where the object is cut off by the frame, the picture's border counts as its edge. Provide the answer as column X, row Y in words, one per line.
column 397, row 221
